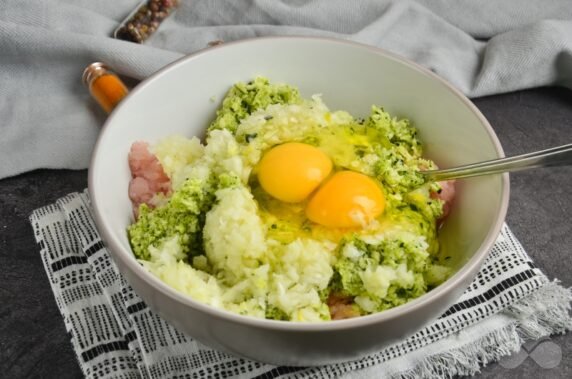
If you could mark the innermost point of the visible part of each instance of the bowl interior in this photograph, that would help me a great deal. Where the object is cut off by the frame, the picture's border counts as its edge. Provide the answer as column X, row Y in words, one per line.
column 182, row 99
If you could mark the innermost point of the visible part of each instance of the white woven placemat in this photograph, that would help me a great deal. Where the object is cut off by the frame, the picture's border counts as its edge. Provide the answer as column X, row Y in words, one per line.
column 115, row 334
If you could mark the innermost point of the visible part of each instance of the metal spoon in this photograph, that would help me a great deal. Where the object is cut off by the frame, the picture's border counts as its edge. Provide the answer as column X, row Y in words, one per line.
column 556, row 156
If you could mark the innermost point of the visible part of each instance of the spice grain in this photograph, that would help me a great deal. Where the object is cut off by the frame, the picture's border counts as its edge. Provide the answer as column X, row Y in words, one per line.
column 146, row 20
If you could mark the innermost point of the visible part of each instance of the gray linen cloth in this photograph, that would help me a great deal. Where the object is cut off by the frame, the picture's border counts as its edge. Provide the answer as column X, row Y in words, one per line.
column 47, row 119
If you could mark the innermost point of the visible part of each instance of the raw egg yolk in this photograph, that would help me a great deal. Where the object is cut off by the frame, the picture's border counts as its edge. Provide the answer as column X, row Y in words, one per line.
column 292, row 171
column 347, row 200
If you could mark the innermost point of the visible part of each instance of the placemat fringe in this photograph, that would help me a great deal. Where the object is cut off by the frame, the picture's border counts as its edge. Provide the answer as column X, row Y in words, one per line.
column 532, row 325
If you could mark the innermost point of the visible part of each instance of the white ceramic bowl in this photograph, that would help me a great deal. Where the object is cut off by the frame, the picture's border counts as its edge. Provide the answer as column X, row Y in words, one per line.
column 352, row 77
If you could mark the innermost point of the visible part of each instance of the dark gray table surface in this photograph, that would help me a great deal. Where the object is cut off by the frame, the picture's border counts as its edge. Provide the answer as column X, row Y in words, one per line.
column 34, row 342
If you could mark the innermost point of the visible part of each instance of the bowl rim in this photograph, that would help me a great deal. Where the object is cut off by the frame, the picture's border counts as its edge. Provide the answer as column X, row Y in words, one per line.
column 469, row 268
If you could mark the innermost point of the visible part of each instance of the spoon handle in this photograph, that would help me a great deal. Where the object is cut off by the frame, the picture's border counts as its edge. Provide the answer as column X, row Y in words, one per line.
column 556, row 156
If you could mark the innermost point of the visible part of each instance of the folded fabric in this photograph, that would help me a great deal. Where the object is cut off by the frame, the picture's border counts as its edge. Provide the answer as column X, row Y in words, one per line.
column 115, row 334
column 49, row 121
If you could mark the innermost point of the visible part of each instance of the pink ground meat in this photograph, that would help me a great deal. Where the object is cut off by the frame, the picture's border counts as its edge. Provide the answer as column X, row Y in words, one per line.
column 341, row 307
column 447, row 194
column 148, row 176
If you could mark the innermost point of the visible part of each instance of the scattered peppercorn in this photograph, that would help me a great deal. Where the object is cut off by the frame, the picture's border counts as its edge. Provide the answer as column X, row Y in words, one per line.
column 215, row 43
